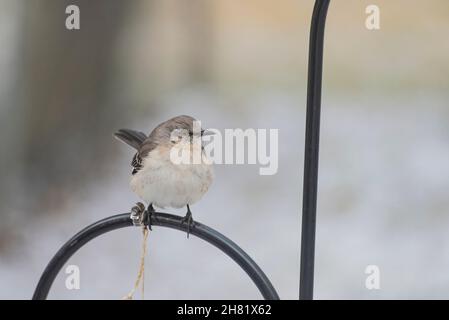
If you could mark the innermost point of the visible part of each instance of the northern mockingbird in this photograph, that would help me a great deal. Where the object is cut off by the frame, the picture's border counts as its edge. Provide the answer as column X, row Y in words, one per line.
column 158, row 177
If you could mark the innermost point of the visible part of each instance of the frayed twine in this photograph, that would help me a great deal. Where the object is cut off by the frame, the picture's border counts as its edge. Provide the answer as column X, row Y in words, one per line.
column 141, row 274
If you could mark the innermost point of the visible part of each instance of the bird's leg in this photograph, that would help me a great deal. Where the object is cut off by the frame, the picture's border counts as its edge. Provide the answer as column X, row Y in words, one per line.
column 149, row 216
column 189, row 220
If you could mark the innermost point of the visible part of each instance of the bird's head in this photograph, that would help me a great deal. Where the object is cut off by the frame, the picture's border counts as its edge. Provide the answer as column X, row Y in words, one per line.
column 181, row 129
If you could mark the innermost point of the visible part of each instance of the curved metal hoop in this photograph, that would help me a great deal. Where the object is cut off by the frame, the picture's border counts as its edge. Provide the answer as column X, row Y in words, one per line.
column 158, row 219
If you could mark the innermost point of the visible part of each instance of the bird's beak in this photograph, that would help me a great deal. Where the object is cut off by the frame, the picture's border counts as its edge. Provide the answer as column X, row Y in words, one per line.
column 207, row 132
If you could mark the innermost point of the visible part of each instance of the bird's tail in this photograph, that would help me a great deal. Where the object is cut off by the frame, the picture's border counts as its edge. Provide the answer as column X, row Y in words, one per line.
column 131, row 137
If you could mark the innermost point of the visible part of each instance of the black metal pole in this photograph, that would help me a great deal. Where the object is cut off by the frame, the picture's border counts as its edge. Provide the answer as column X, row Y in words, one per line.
column 312, row 149
column 158, row 219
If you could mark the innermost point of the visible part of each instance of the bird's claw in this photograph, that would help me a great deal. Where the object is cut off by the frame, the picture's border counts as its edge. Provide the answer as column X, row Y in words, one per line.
column 137, row 213
column 189, row 221
column 140, row 216
column 149, row 216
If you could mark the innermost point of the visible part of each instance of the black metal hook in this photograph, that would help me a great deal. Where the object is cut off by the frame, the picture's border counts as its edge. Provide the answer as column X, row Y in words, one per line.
column 158, row 219
column 312, row 149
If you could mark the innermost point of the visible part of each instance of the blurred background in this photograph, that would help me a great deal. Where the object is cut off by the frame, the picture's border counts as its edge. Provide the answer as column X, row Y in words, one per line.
column 384, row 161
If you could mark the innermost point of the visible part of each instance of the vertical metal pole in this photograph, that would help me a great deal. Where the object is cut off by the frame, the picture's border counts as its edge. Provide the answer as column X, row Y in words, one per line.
column 312, row 149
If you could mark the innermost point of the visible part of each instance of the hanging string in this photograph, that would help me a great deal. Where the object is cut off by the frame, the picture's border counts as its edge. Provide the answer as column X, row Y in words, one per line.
column 141, row 273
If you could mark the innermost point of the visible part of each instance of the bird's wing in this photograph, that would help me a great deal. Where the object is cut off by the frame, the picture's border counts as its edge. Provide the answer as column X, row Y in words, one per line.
column 145, row 148
column 139, row 141
column 136, row 163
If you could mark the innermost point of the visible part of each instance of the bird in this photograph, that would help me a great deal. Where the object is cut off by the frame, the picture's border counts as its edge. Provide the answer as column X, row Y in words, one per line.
column 159, row 180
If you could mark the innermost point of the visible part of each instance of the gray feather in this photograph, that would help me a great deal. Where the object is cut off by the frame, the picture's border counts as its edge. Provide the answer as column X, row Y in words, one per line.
column 131, row 137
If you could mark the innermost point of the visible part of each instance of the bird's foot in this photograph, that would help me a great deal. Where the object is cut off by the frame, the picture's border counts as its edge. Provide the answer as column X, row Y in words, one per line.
column 188, row 219
column 140, row 216
column 147, row 222
column 137, row 214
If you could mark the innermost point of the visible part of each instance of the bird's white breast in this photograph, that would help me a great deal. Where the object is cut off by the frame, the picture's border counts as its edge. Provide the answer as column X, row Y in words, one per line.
column 165, row 184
